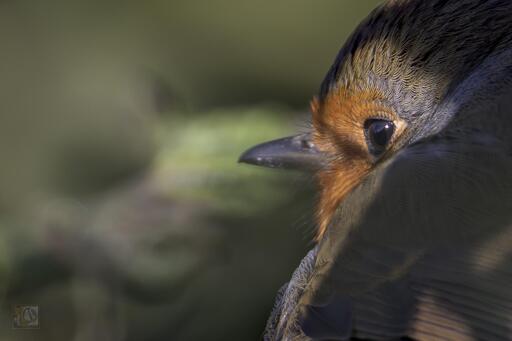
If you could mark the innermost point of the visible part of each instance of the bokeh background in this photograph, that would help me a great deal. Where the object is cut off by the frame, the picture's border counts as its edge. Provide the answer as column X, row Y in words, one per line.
column 124, row 214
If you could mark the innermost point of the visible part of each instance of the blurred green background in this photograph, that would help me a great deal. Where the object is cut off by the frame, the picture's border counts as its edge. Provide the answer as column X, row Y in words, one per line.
column 124, row 214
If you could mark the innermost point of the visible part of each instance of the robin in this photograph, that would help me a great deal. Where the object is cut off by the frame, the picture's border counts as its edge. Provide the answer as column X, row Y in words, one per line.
column 411, row 143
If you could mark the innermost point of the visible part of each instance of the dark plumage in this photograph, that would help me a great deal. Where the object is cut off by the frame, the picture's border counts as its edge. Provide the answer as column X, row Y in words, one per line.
column 415, row 241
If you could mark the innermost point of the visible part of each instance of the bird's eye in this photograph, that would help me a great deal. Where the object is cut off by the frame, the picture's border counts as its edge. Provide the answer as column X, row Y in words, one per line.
column 378, row 134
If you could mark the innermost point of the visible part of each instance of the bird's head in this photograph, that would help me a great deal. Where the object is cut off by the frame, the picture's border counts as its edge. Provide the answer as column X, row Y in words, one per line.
column 409, row 82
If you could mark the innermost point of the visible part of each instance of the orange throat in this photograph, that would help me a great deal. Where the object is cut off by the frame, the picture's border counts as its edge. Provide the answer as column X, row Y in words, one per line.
column 335, row 184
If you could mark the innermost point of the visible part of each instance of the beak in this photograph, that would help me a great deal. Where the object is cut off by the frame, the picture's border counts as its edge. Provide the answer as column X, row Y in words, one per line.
column 294, row 152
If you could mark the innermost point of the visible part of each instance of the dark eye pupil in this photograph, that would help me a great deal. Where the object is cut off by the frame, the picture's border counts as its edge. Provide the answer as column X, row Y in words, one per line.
column 378, row 135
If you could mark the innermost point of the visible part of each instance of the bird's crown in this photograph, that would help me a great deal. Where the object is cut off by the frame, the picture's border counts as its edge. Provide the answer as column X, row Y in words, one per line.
column 427, row 47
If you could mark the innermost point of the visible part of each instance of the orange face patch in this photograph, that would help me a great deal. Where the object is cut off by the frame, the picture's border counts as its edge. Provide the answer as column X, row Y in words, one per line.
column 338, row 123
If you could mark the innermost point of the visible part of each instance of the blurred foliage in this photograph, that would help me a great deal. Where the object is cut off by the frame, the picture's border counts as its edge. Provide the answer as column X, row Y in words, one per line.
column 186, row 243
column 207, row 149
column 123, row 212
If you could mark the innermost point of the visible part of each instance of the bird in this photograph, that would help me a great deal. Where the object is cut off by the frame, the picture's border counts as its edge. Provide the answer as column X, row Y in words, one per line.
column 411, row 146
